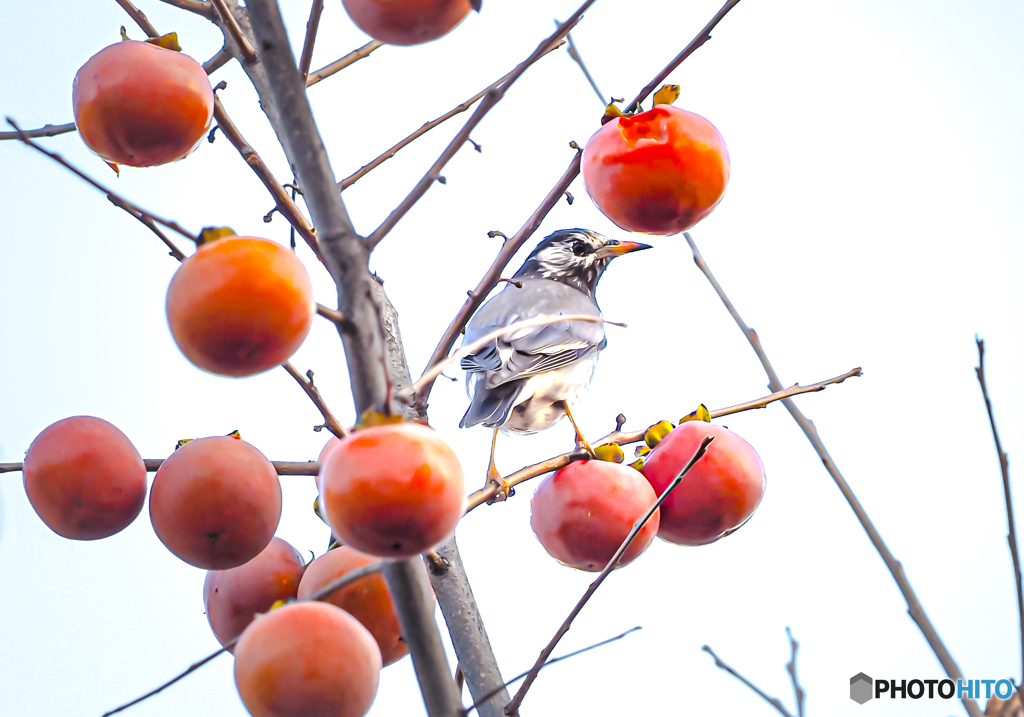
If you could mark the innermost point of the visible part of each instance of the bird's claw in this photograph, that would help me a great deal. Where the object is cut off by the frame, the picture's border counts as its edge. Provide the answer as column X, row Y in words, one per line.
column 504, row 490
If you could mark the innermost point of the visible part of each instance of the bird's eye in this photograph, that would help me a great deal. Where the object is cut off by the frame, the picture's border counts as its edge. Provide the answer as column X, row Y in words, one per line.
column 579, row 248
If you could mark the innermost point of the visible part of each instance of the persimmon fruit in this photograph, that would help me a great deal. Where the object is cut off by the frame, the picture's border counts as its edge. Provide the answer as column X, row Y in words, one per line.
column 658, row 172
column 141, row 105
column 216, row 502
column 240, row 306
column 583, row 512
column 327, row 450
column 234, row 597
column 84, row 478
column 392, row 491
column 406, row 22
column 717, row 496
column 307, row 659
column 368, row 599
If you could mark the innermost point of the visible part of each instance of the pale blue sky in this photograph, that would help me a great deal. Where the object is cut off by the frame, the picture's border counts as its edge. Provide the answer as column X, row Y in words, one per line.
column 873, row 219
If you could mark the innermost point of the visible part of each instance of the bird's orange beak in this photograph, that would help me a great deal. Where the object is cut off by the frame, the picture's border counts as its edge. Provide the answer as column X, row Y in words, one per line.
column 618, row 248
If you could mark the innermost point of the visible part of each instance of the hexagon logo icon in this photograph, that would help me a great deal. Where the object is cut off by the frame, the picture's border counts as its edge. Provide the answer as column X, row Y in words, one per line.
column 860, row 688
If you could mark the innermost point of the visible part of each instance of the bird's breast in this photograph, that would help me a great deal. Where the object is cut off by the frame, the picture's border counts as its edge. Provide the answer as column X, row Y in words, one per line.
column 541, row 402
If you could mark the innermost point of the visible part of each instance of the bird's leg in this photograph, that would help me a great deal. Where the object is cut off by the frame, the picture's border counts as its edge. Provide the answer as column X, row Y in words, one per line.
column 580, row 440
column 494, row 476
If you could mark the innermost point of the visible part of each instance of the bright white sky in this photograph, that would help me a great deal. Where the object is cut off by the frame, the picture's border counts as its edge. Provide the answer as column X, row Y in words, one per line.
column 873, row 219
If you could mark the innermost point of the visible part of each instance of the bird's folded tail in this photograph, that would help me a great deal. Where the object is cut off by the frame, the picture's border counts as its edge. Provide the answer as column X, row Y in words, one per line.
column 491, row 406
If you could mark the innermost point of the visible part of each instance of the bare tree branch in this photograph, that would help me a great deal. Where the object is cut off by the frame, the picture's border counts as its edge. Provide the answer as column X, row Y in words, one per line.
column 200, row 7
column 151, row 225
column 218, row 61
column 492, row 98
column 694, row 45
column 312, row 25
column 620, row 438
column 363, row 331
column 798, row 691
column 914, row 606
column 322, row 594
column 1011, row 527
column 370, row 166
column 492, row 276
column 511, row 246
column 552, row 661
column 113, row 196
column 467, row 630
column 773, row 701
column 47, row 130
column 340, row 64
column 578, row 59
column 235, row 30
column 283, row 203
column 512, row 708
column 139, row 17
column 330, row 422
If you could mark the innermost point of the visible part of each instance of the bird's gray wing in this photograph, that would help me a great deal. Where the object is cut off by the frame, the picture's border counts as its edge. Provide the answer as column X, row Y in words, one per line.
column 498, row 370
column 535, row 349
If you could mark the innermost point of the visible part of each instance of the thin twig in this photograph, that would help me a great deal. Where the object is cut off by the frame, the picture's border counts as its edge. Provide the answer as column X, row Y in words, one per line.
column 284, row 204
column 180, row 676
column 409, row 394
column 322, row 594
column 490, row 100
column 370, row 166
column 512, row 707
column 578, row 59
column 151, row 225
column 492, row 276
column 549, row 663
column 116, row 198
column 47, row 130
column 510, row 247
column 798, row 691
column 330, row 422
column 773, row 701
column 235, row 31
column 338, row 65
column 218, row 61
column 620, row 438
column 914, row 606
column 332, row 315
column 199, row 7
column 139, row 17
column 283, row 468
column 1011, row 527
column 694, row 45
column 312, row 25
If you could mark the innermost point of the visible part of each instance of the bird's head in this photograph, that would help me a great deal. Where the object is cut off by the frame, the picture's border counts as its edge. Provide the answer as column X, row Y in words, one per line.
column 577, row 257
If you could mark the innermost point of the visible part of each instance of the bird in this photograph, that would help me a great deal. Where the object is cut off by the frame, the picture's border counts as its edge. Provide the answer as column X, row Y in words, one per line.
column 528, row 380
